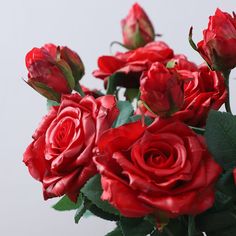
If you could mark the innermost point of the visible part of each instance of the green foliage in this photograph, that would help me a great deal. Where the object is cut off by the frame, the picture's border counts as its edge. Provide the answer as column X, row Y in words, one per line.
column 135, row 226
column 116, row 232
column 93, row 191
column 126, row 110
column 65, row 204
column 221, row 138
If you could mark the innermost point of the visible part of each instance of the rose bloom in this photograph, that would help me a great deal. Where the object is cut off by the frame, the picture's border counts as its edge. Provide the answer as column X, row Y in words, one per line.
column 53, row 70
column 137, row 28
column 161, row 90
column 218, row 46
column 130, row 65
column 164, row 169
column 61, row 154
column 205, row 92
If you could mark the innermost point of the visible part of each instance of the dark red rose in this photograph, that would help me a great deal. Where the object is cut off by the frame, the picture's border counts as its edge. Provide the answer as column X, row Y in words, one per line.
column 137, row 28
column 61, row 154
column 206, row 91
column 130, row 65
column 53, row 70
column 218, row 46
column 161, row 90
column 162, row 169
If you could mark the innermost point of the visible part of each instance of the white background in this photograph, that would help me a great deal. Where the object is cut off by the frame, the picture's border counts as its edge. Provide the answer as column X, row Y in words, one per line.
column 87, row 27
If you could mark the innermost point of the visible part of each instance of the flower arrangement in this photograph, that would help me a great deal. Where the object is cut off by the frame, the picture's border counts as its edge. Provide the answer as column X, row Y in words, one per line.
column 151, row 151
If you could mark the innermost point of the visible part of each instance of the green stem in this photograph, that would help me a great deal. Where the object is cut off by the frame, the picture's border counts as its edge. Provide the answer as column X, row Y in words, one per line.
column 227, row 102
column 79, row 89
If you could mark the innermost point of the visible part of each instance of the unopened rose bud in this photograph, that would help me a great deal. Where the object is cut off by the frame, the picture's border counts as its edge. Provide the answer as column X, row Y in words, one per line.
column 218, row 46
column 137, row 28
column 161, row 90
column 53, row 71
column 74, row 61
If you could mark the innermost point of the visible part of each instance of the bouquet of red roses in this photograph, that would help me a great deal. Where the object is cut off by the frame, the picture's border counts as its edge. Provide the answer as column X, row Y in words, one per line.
column 150, row 152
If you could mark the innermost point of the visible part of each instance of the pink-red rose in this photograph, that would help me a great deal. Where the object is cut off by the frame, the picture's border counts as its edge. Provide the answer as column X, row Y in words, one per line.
column 161, row 90
column 130, row 65
column 61, row 154
column 53, row 70
column 137, row 28
column 162, row 169
column 218, row 46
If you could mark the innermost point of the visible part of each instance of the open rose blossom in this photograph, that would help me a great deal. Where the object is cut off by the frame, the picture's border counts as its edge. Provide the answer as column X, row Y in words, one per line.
column 53, row 70
column 137, row 28
column 162, row 169
column 206, row 91
column 218, row 46
column 161, row 90
column 130, row 65
column 61, row 154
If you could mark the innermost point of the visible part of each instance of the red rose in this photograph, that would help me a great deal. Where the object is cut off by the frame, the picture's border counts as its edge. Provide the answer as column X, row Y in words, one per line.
column 161, row 90
column 164, row 168
column 53, row 70
column 183, row 66
column 132, row 64
column 137, row 28
column 218, row 46
column 61, row 154
column 207, row 91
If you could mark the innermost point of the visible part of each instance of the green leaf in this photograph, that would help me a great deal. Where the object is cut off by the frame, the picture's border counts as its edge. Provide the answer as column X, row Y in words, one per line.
column 81, row 210
column 221, row 138
column 229, row 231
column 135, row 226
column 226, row 184
column 113, row 83
column 216, row 222
column 126, row 110
column 116, row 232
column 65, row 204
column 93, row 191
column 131, row 94
column 51, row 103
column 102, row 214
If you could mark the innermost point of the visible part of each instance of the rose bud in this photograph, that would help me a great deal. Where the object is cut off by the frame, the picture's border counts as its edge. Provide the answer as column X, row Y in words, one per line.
column 218, row 47
column 161, row 90
column 53, row 70
column 137, row 29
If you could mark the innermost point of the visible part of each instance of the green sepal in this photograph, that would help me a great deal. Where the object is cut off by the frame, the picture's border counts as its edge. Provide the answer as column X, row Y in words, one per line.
column 67, row 72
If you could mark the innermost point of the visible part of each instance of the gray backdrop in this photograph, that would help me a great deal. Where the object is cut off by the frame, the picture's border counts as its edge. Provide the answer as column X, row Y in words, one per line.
column 87, row 27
